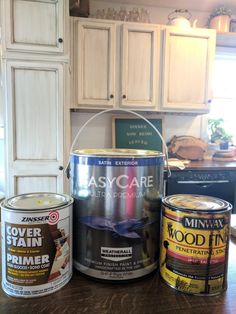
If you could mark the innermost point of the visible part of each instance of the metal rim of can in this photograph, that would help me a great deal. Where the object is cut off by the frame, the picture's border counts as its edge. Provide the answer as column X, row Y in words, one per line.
column 116, row 153
column 220, row 204
column 37, row 202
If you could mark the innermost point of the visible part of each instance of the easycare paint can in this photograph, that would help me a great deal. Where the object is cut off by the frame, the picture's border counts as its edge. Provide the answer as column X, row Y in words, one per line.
column 117, row 206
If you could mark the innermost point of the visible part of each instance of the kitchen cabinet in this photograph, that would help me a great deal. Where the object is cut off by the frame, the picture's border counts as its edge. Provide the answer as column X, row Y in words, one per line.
column 35, row 26
column 34, row 128
column 187, row 65
column 117, row 64
column 36, row 72
column 142, row 66
column 95, row 60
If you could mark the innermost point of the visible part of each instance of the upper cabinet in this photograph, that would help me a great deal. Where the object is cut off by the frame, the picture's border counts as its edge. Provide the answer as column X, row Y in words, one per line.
column 140, row 48
column 95, row 59
column 142, row 66
column 116, row 64
column 35, row 26
column 187, row 65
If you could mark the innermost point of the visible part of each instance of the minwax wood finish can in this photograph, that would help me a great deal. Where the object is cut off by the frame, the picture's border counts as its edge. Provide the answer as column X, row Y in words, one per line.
column 117, row 204
column 36, row 244
column 195, row 242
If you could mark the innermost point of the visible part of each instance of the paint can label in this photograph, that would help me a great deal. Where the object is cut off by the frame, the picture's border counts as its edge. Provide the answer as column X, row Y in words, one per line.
column 194, row 252
column 36, row 251
column 117, row 207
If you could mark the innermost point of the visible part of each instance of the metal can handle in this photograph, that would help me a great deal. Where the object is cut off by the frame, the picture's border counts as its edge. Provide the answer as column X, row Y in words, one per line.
column 127, row 111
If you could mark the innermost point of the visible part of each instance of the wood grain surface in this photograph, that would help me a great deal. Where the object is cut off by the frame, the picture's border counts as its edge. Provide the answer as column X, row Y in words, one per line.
column 146, row 296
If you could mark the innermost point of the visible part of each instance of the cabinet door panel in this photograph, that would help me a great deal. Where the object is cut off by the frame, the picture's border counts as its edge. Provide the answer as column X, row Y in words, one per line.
column 142, row 90
column 96, row 63
column 35, row 184
column 35, row 25
column 34, row 129
column 35, row 113
column 140, row 65
column 187, row 69
column 96, row 40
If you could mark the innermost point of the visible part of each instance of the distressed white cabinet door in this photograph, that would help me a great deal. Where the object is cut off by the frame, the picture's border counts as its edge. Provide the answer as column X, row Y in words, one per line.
column 36, row 26
column 95, row 55
column 140, row 65
column 188, row 57
column 34, row 127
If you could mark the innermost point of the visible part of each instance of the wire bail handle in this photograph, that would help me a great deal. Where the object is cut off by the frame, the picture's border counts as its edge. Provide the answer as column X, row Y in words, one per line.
column 126, row 111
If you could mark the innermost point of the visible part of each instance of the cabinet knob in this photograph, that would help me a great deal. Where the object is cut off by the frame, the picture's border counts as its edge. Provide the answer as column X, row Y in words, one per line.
column 111, row 96
column 60, row 40
column 124, row 96
column 209, row 101
column 60, row 167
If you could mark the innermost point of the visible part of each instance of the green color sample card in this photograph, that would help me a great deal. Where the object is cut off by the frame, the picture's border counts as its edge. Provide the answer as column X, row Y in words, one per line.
column 137, row 134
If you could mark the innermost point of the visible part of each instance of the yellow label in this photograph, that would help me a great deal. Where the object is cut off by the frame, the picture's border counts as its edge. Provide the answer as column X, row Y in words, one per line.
column 194, row 251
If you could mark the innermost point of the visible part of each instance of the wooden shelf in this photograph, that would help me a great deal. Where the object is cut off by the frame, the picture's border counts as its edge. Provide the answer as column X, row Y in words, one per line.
column 226, row 39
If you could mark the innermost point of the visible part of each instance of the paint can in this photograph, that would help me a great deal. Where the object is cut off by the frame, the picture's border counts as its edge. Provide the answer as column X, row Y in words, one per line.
column 117, row 206
column 36, row 244
column 195, row 242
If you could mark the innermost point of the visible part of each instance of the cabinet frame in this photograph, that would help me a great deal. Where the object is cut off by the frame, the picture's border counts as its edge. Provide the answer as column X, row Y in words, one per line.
column 154, row 31
column 60, row 22
column 79, row 63
column 160, row 60
column 206, row 34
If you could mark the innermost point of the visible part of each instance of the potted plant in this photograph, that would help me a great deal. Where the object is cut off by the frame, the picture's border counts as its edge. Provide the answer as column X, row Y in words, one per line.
column 218, row 134
column 219, row 19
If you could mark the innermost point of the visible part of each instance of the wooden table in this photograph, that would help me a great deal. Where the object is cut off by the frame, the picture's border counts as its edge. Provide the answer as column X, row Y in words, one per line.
column 147, row 296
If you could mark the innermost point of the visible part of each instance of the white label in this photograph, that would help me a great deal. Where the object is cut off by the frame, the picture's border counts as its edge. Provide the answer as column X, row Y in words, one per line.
column 116, row 254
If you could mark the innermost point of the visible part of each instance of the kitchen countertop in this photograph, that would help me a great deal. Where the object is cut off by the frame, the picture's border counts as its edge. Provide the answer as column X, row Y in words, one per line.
column 147, row 296
column 208, row 164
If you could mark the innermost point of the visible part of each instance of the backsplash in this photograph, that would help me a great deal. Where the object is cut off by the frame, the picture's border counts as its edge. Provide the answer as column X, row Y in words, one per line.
column 98, row 133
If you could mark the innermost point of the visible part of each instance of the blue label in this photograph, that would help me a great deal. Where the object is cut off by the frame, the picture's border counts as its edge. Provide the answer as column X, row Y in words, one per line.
column 117, row 161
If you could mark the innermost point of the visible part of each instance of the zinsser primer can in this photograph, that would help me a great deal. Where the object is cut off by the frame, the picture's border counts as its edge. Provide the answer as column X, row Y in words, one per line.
column 117, row 204
column 195, row 242
column 36, row 244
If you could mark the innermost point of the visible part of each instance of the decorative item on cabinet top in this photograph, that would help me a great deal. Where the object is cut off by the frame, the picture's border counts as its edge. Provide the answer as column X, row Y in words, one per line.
column 181, row 18
column 79, row 8
column 140, row 15
column 219, row 19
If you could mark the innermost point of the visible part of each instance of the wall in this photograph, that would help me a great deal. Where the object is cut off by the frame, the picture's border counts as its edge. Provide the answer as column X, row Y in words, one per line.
column 98, row 133
column 157, row 15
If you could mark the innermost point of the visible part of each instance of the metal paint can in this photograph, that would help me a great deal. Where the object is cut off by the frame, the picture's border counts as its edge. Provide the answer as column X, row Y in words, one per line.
column 195, row 242
column 36, row 244
column 117, row 205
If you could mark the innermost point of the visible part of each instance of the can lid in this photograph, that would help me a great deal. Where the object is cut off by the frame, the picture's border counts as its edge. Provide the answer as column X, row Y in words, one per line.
column 196, row 202
column 117, row 152
column 37, row 201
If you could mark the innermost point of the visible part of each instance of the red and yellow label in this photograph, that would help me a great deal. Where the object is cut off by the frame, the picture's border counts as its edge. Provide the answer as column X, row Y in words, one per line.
column 194, row 252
